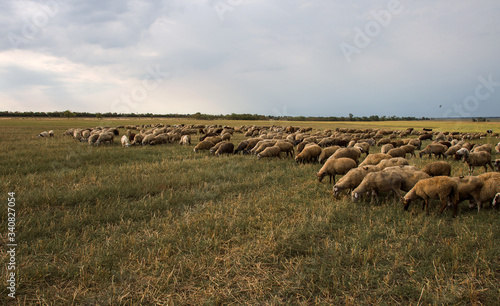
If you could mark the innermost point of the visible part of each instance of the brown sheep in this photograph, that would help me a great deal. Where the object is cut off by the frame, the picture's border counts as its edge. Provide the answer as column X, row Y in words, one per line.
column 335, row 166
column 225, row 148
column 379, row 181
column 285, row 147
column 469, row 188
column 489, row 191
column 241, row 147
column 478, row 159
column 352, row 153
column 483, row 148
column 385, row 148
column 439, row 187
column 301, row 146
column 410, row 175
column 352, row 179
column 437, row 168
column 374, row 159
column 397, row 152
column 213, row 139
column 364, row 147
column 486, row 176
column 273, row 151
column 434, row 148
column 203, row 145
column 327, row 152
column 409, row 149
column 391, row 162
column 452, row 150
column 309, row 154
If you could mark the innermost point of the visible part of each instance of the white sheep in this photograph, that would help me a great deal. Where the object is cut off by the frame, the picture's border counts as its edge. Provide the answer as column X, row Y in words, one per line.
column 125, row 141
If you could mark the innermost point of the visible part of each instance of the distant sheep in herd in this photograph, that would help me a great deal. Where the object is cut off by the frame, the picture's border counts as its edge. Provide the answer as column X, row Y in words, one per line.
column 340, row 153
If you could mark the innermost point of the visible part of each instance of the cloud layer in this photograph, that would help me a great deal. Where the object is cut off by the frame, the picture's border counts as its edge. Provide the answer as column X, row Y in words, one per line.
column 311, row 58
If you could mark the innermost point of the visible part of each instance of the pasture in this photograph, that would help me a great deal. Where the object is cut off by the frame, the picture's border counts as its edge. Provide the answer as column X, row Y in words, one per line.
column 164, row 225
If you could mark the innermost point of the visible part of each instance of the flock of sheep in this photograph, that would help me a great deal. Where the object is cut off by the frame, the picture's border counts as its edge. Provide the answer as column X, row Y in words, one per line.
column 340, row 151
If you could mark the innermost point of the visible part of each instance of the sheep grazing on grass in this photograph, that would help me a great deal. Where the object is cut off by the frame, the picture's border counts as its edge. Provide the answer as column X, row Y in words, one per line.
column 469, row 188
column 252, row 142
column 43, row 134
column 352, row 179
column 105, row 138
column 483, row 148
column 327, row 152
column 434, row 148
column 203, row 145
column 452, row 150
column 437, row 168
column 147, row 139
column 489, row 192
column 461, row 153
column 409, row 149
column 93, row 138
column 478, row 159
column 273, row 151
column 352, row 153
column 443, row 188
column 262, row 145
column 214, row 139
column 225, row 148
column 376, row 182
column 374, row 159
column 496, row 201
column 309, row 154
column 386, row 148
column 391, row 162
column 285, row 147
column 335, row 166
column 185, row 140
column 125, row 141
column 137, row 140
column 364, row 147
column 496, row 163
column 397, row 152
column 411, row 175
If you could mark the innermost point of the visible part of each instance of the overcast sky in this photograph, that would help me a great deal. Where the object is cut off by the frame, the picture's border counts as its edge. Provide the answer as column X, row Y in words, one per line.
column 438, row 58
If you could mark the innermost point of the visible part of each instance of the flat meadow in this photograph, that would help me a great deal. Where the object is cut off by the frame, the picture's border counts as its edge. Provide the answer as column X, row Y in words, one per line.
column 164, row 225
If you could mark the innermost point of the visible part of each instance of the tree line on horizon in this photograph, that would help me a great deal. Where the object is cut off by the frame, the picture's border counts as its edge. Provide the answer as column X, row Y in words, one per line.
column 200, row 116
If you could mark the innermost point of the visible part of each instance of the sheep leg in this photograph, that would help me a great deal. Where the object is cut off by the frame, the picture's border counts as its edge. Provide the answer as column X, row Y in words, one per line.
column 426, row 204
column 445, row 204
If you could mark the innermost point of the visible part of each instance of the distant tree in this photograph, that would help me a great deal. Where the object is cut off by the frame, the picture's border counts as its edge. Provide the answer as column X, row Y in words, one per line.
column 68, row 114
column 98, row 116
column 351, row 116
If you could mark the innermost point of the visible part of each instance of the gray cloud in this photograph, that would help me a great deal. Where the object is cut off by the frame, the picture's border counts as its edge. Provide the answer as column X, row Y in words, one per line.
column 262, row 57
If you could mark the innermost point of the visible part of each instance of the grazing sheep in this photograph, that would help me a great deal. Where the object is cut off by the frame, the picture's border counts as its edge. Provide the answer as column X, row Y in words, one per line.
column 483, row 148
column 125, row 141
column 203, row 145
column 352, row 179
column 391, row 162
column 397, row 152
column 93, row 138
column 478, row 159
column 409, row 149
column 410, row 175
column 309, row 154
column 159, row 139
column 496, row 162
column 185, row 140
column 301, row 146
column 51, row 133
column 426, row 136
column 225, row 148
column 105, row 138
column 469, row 188
column 43, row 134
column 241, row 147
column 434, row 148
column 77, row 134
column 496, row 200
column 486, row 176
column 251, row 144
column 364, row 147
column 285, row 147
column 262, row 145
column 137, row 139
column 335, row 166
column 327, row 152
column 437, row 168
column 497, row 148
column 489, row 192
column 352, row 153
column 452, row 150
column 147, row 139
column 416, row 143
column 273, row 151
column 439, row 187
column 385, row 148
column 374, row 159
column 214, row 139
column 461, row 153
column 379, row 181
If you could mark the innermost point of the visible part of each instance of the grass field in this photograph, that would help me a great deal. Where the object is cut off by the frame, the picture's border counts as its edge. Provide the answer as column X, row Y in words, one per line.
column 164, row 225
